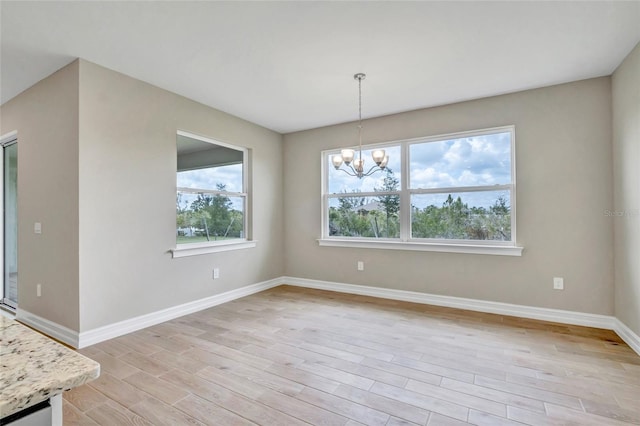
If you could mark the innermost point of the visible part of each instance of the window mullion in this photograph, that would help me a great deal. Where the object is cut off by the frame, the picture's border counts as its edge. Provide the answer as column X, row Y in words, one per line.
column 405, row 198
column 455, row 190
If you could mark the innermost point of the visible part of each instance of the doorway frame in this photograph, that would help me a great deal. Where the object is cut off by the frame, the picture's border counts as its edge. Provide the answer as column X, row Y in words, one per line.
column 5, row 140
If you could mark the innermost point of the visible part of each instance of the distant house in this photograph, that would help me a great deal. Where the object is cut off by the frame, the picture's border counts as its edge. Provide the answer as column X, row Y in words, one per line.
column 368, row 208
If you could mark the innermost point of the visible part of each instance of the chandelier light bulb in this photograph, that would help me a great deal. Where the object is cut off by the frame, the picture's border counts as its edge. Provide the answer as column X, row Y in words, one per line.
column 347, row 155
column 378, row 155
column 337, row 161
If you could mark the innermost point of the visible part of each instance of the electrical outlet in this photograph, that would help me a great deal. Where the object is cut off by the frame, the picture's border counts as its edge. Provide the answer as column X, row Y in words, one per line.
column 558, row 283
column 38, row 289
column 216, row 273
column 360, row 265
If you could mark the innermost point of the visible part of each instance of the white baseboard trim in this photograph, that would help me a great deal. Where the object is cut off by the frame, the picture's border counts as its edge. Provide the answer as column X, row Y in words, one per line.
column 50, row 328
column 630, row 338
column 87, row 338
column 97, row 335
column 117, row 329
column 545, row 314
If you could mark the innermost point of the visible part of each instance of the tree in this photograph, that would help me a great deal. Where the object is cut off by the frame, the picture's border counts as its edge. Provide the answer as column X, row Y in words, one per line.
column 390, row 203
column 456, row 220
column 455, row 215
column 218, row 208
column 348, row 219
column 499, row 222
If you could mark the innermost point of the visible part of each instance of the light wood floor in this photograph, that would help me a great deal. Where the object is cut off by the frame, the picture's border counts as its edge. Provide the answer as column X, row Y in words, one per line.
column 291, row 356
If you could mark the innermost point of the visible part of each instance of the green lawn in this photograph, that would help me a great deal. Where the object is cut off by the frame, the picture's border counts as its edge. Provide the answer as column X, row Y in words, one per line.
column 203, row 239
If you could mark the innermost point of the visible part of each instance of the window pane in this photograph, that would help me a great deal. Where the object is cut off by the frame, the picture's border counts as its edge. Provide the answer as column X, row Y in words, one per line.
column 484, row 215
column 469, row 161
column 371, row 217
column 204, row 168
column 207, row 217
column 339, row 182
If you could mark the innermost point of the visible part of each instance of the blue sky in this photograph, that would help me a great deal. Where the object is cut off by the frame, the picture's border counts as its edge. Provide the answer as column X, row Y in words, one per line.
column 464, row 162
column 230, row 175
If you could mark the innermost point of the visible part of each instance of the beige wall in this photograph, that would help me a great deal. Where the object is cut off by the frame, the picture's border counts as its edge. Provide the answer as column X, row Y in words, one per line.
column 626, row 164
column 564, row 181
column 97, row 168
column 127, row 200
column 97, row 164
column 46, row 118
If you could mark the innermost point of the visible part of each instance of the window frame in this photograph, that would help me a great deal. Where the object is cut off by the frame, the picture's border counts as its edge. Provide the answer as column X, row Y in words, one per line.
column 191, row 249
column 405, row 240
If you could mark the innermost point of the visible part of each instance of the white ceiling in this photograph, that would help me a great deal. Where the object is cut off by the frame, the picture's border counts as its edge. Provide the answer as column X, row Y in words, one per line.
column 288, row 65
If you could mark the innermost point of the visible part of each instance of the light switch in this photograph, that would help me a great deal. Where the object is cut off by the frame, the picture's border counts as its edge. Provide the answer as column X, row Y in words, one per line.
column 37, row 228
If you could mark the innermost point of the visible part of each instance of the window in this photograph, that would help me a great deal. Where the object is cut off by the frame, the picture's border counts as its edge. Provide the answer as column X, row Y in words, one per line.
column 211, row 195
column 447, row 193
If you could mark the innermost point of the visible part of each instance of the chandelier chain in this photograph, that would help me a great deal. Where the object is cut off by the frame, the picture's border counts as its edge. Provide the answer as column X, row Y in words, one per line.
column 360, row 77
column 355, row 166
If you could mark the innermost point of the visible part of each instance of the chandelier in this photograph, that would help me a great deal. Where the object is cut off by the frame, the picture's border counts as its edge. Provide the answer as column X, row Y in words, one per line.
column 355, row 166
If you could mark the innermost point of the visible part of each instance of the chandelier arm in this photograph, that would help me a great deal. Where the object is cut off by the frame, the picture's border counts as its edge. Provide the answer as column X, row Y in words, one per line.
column 372, row 170
column 347, row 171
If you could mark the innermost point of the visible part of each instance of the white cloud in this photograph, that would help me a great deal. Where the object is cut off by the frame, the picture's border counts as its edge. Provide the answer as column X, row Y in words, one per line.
column 476, row 161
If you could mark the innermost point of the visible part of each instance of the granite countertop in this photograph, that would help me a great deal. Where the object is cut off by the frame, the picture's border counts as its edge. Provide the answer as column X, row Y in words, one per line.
column 34, row 368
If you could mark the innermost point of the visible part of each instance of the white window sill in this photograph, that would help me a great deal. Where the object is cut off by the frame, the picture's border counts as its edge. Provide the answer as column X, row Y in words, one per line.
column 195, row 249
column 498, row 250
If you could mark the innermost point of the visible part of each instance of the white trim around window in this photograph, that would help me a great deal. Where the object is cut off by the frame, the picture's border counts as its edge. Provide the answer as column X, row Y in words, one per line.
column 184, row 250
column 405, row 192
column 244, row 194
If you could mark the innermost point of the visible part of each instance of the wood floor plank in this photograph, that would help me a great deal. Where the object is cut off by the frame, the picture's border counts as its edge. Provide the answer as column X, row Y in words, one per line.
column 162, row 341
column 210, row 414
column 355, row 411
column 144, row 363
column 114, row 366
column 259, row 379
column 494, row 395
column 273, row 392
column 446, row 408
column 73, row 417
column 136, row 344
column 428, row 367
column 406, row 371
column 470, row 401
column 238, row 404
column 156, row 387
column 371, row 373
column 161, row 414
column 571, row 416
column 306, row 378
column 113, row 348
column 294, row 356
column 567, row 388
column 390, row 406
column 175, row 361
column 485, row 419
column 533, row 418
column 302, row 410
column 546, row 396
column 112, row 413
column 117, row 390
column 337, row 375
column 613, row 411
column 439, row 420
column 84, row 398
